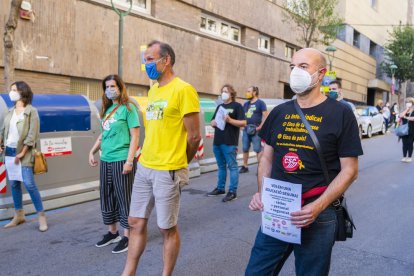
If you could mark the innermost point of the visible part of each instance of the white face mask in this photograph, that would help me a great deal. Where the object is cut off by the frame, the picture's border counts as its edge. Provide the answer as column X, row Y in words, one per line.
column 301, row 80
column 14, row 96
column 225, row 96
column 408, row 105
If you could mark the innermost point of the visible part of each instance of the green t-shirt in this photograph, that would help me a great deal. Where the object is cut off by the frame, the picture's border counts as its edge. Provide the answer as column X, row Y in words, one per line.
column 115, row 132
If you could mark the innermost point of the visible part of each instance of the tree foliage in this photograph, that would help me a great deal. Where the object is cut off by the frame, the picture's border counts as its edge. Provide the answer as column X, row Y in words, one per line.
column 317, row 20
column 400, row 51
column 8, row 39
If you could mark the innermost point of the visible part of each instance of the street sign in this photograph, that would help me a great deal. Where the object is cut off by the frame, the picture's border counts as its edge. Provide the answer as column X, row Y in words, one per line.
column 327, row 79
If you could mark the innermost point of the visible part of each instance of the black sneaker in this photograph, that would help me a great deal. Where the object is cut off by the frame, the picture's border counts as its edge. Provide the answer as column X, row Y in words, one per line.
column 122, row 246
column 108, row 239
column 229, row 197
column 244, row 169
column 216, row 192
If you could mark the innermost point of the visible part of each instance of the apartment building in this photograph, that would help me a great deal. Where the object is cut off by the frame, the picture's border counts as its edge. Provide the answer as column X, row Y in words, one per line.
column 73, row 44
column 367, row 27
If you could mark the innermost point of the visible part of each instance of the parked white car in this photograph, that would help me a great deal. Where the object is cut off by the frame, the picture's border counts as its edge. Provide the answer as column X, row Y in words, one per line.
column 370, row 121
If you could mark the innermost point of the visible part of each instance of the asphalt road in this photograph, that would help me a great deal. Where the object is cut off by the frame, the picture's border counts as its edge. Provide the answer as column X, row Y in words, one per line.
column 217, row 237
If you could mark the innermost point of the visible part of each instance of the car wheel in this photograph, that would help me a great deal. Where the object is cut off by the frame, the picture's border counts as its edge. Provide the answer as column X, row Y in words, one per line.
column 360, row 132
column 369, row 131
column 383, row 130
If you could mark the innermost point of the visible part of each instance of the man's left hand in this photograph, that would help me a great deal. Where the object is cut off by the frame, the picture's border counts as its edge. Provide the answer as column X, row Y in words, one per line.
column 306, row 216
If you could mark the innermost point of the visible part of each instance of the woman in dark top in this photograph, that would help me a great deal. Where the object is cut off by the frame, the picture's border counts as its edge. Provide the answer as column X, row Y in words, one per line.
column 407, row 117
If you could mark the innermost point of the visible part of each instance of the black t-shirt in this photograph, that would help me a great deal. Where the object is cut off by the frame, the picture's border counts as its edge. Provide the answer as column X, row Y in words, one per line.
column 379, row 108
column 230, row 134
column 254, row 111
column 295, row 159
column 410, row 123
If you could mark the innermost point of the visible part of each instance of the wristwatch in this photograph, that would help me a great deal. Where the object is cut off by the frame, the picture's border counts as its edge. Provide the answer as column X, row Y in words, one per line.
column 129, row 163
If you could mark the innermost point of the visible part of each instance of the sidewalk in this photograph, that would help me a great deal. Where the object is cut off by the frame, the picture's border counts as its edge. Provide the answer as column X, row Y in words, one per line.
column 217, row 237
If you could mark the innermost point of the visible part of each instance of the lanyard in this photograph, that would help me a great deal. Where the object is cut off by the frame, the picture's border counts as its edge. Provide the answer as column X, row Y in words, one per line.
column 110, row 114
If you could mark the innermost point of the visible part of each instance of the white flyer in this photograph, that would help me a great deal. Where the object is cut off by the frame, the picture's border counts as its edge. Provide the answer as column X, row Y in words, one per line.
column 209, row 131
column 14, row 172
column 280, row 198
column 221, row 117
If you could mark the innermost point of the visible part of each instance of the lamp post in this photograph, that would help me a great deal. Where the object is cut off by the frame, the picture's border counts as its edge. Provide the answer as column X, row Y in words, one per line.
column 393, row 68
column 121, row 34
column 331, row 55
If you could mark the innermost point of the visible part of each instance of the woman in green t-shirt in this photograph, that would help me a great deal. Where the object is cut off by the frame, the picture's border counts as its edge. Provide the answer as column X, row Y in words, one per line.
column 118, row 143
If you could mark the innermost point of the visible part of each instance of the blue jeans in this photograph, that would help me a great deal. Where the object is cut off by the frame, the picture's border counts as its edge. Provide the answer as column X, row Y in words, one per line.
column 312, row 257
column 251, row 139
column 226, row 156
column 29, row 183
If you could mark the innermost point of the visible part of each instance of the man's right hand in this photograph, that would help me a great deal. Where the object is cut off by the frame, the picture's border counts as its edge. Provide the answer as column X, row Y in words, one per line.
column 256, row 203
column 213, row 123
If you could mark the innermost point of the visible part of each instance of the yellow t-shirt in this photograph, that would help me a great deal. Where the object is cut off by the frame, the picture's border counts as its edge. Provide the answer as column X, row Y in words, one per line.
column 165, row 143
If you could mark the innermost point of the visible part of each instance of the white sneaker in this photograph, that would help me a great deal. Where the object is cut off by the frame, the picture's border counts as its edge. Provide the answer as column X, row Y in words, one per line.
column 408, row 160
column 404, row 159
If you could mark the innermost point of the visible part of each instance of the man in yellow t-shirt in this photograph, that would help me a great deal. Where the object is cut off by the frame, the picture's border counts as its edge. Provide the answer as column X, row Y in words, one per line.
column 172, row 136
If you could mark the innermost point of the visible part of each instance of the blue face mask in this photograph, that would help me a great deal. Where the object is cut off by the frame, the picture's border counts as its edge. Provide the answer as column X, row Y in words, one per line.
column 151, row 69
column 333, row 94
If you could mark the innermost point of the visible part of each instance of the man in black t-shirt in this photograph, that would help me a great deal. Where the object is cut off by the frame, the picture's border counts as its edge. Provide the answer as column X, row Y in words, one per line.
column 226, row 141
column 256, row 112
column 289, row 155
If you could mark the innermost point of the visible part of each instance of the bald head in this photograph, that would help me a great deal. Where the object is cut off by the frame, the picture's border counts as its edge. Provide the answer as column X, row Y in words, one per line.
column 313, row 55
column 311, row 61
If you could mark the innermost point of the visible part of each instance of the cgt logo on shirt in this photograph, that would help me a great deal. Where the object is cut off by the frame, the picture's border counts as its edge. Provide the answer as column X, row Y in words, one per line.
column 291, row 162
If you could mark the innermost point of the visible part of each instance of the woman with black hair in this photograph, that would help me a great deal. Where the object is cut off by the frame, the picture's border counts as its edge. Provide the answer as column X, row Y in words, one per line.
column 19, row 134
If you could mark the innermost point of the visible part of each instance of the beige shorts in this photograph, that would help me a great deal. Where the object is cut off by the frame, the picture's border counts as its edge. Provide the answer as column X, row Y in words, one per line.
column 159, row 188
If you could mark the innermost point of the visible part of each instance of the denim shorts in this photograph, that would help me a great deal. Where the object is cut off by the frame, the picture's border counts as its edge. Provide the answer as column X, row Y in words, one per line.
column 251, row 139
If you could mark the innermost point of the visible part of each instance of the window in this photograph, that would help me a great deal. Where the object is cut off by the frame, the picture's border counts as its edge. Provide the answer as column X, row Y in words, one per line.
column 372, row 48
column 373, row 111
column 235, row 33
column 289, row 51
column 220, row 28
column 211, row 25
column 263, row 43
column 203, row 24
column 138, row 5
column 357, row 37
column 224, row 30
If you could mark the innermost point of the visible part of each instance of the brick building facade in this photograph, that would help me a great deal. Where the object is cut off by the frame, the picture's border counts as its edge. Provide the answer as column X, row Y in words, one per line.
column 73, row 44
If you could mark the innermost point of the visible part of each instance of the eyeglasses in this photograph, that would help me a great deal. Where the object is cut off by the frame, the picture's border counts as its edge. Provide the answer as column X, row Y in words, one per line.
column 151, row 60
